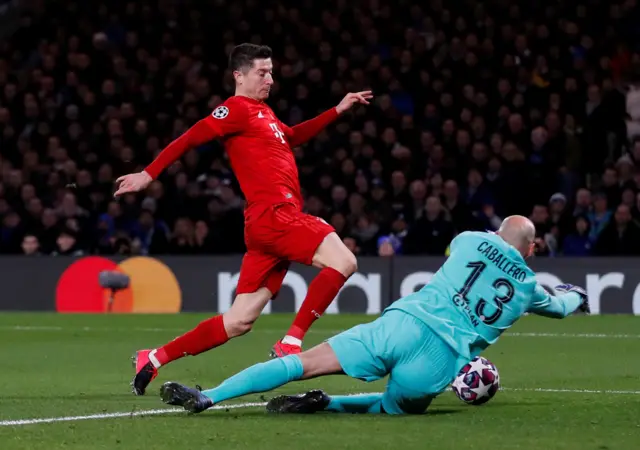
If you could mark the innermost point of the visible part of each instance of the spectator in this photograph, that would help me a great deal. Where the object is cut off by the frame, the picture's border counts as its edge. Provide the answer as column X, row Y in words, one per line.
column 387, row 246
column 583, row 204
column 492, row 119
column 418, row 194
column 611, row 186
column 430, row 234
column 559, row 219
column 399, row 230
column 578, row 243
column 121, row 245
column 48, row 231
column 477, row 195
column 628, row 198
column 67, row 244
column 458, row 211
column 600, row 216
column 621, row 237
column 546, row 242
column 184, row 240
column 11, row 233
column 487, row 219
column 152, row 234
column 30, row 245
column 366, row 232
column 540, row 218
column 204, row 241
column 339, row 223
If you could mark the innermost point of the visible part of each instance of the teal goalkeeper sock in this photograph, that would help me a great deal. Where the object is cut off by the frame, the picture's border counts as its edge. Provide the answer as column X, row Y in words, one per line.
column 258, row 378
column 362, row 403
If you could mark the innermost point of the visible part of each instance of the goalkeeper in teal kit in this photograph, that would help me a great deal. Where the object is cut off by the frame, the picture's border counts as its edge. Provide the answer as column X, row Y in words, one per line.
column 421, row 341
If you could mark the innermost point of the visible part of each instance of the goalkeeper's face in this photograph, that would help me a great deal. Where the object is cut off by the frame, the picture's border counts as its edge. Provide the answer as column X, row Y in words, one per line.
column 257, row 81
column 531, row 251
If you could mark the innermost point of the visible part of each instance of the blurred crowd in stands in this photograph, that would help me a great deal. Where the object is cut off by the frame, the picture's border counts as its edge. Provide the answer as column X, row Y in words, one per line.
column 482, row 109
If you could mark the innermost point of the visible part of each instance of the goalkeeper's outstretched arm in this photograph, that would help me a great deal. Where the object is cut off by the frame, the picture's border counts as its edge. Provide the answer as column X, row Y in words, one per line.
column 558, row 306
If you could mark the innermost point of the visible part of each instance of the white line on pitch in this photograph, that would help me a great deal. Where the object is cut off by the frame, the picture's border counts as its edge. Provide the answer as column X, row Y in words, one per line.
column 154, row 412
column 324, row 332
column 38, row 328
column 149, row 412
column 573, row 391
column 575, row 335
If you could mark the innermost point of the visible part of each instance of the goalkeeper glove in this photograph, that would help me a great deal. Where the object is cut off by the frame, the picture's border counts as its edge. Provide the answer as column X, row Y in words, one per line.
column 584, row 304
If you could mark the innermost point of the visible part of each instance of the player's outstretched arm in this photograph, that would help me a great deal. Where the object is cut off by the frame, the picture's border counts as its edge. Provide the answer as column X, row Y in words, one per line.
column 203, row 131
column 573, row 298
column 224, row 120
column 305, row 131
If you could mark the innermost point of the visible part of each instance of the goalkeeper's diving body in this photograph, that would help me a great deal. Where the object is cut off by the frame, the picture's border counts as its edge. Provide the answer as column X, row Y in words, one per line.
column 421, row 341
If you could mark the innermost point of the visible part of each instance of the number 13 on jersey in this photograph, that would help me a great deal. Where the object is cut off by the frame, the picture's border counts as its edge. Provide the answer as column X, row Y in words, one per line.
column 277, row 132
column 481, row 311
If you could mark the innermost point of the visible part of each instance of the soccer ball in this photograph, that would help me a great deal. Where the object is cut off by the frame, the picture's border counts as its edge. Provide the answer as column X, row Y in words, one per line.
column 477, row 382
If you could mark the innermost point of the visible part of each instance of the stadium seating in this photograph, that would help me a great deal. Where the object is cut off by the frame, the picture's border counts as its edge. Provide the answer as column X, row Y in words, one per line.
column 481, row 111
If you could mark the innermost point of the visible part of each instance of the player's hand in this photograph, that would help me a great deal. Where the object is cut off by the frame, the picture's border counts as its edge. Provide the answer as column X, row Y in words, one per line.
column 584, row 306
column 352, row 98
column 134, row 182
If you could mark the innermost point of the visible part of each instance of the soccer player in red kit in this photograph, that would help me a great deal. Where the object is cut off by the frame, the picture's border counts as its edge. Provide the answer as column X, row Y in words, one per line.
column 276, row 230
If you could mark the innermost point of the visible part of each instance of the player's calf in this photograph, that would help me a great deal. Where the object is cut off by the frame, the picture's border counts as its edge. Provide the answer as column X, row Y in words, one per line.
column 337, row 264
column 206, row 335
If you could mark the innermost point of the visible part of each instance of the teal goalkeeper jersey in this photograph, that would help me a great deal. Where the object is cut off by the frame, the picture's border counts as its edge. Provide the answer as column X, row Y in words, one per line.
column 482, row 289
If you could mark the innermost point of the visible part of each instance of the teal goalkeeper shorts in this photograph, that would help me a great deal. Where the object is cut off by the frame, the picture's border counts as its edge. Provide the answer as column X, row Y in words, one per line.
column 419, row 363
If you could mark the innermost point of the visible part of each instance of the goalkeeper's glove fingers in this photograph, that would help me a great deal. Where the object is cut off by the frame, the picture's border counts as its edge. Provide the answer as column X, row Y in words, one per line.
column 584, row 304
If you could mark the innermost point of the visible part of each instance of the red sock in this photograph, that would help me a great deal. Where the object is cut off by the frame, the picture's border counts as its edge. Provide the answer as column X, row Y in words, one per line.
column 208, row 334
column 322, row 290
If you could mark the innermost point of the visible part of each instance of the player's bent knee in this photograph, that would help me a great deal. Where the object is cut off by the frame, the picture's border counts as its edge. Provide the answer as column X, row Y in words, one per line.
column 333, row 253
column 244, row 326
column 346, row 263
column 238, row 322
column 350, row 263
column 244, row 311
column 237, row 327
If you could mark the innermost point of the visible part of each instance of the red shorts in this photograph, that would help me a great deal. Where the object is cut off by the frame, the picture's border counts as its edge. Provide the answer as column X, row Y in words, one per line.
column 274, row 239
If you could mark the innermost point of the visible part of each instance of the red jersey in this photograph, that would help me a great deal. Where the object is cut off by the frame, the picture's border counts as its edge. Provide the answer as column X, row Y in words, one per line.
column 259, row 148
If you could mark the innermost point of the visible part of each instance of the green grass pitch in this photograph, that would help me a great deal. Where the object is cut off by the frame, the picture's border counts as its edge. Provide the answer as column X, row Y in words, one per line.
column 568, row 384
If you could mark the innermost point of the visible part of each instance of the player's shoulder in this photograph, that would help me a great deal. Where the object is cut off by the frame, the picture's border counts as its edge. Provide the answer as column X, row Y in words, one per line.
column 233, row 106
column 479, row 236
column 483, row 242
column 467, row 237
column 236, row 100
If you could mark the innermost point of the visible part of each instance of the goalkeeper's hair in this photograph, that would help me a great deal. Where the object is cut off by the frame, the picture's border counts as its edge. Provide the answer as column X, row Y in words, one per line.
column 242, row 56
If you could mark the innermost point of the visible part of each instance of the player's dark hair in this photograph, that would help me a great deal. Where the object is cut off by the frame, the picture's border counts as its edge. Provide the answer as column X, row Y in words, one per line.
column 243, row 55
